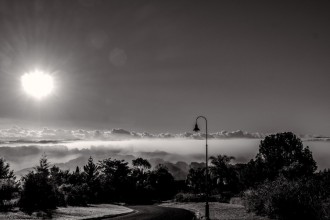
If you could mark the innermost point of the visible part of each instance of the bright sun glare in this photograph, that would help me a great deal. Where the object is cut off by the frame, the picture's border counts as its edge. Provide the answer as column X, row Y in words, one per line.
column 37, row 84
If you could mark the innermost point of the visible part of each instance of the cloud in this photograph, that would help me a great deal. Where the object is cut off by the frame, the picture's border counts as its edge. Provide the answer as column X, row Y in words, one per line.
column 237, row 134
column 147, row 135
column 186, row 135
column 166, row 135
column 18, row 133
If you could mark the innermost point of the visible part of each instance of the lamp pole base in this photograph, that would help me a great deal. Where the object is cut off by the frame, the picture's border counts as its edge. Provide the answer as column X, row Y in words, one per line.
column 207, row 212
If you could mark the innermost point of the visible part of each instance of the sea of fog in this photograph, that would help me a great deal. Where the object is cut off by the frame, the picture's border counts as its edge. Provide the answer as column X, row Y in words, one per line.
column 24, row 155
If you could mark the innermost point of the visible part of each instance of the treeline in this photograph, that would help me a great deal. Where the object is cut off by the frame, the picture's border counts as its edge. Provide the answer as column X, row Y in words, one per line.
column 108, row 181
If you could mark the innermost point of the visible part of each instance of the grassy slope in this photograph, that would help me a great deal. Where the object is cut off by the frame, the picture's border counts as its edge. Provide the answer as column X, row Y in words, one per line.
column 92, row 211
column 217, row 210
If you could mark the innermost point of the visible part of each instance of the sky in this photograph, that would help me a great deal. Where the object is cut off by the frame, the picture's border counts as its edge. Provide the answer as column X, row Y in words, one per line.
column 257, row 66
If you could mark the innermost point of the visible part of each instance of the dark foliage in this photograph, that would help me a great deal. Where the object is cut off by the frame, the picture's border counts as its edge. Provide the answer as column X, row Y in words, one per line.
column 283, row 153
column 141, row 164
column 291, row 189
column 75, row 195
column 91, row 177
column 223, row 175
column 38, row 192
column 287, row 199
column 162, row 182
column 8, row 186
column 5, row 172
column 249, row 174
column 196, row 180
column 192, row 197
column 115, row 180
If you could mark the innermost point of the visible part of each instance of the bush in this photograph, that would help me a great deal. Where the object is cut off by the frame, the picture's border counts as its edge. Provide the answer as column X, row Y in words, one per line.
column 8, row 188
column 190, row 197
column 37, row 194
column 285, row 199
column 74, row 195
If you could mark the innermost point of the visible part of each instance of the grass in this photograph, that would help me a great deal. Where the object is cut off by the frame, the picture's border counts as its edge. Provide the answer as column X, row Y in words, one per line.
column 218, row 211
column 71, row 212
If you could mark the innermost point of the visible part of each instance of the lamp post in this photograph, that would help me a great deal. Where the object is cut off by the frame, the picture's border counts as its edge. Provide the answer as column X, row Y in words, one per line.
column 196, row 129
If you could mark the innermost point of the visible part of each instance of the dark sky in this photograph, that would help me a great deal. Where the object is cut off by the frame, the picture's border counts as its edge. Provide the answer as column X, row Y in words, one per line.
column 155, row 65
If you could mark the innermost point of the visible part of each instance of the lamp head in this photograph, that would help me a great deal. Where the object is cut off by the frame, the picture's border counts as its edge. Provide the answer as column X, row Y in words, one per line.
column 196, row 129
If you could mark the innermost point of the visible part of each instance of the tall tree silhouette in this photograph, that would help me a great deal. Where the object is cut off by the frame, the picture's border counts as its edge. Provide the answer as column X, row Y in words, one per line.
column 91, row 174
column 223, row 173
column 163, row 182
column 196, row 180
column 284, row 153
column 8, row 184
column 91, row 170
column 116, row 181
column 5, row 171
column 38, row 192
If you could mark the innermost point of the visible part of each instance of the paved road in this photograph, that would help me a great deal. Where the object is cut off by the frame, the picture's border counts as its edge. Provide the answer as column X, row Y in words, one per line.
column 148, row 212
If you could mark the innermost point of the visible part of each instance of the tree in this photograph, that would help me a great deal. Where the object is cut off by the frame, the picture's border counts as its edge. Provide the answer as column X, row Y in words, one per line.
column 91, row 171
column 5, row 172
column 223, row 173
column 284, row 153
column 162, row 182
column 196, row 180
column 8, row 185
column 43, row 167
column 115, row 170
column 115, row 179
column 59, row 176
column 91, row 174
column 249, row 174
column 142, row 191
column 76, row 177
column 38, row 192
column 141, row 164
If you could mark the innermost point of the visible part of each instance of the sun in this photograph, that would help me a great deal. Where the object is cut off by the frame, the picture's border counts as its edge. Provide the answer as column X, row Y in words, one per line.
column 37, row 84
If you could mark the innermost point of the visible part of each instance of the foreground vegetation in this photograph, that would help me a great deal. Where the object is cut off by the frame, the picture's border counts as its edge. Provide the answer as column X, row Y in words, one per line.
column 218, row 211
column 280, row 182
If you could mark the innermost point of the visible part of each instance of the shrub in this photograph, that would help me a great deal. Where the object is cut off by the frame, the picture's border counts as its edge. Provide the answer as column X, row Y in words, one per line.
column 37, row 194
column 286, row 199
column 8, row 188
column 190, row 197
column 74, row 195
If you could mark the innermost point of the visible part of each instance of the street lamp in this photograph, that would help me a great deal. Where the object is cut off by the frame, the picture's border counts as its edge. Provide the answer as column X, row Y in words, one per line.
column 207, row 212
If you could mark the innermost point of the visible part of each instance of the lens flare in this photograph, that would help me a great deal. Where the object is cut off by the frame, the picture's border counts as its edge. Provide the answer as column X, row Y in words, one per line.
column 37, row 84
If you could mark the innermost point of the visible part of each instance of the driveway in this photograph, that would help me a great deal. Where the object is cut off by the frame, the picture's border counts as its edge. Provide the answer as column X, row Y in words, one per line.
column 148, row 212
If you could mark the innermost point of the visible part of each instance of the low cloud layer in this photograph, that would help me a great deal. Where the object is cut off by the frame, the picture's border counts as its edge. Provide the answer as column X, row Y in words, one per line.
column 19, row 133
column 23, row 155
column 170, row 151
